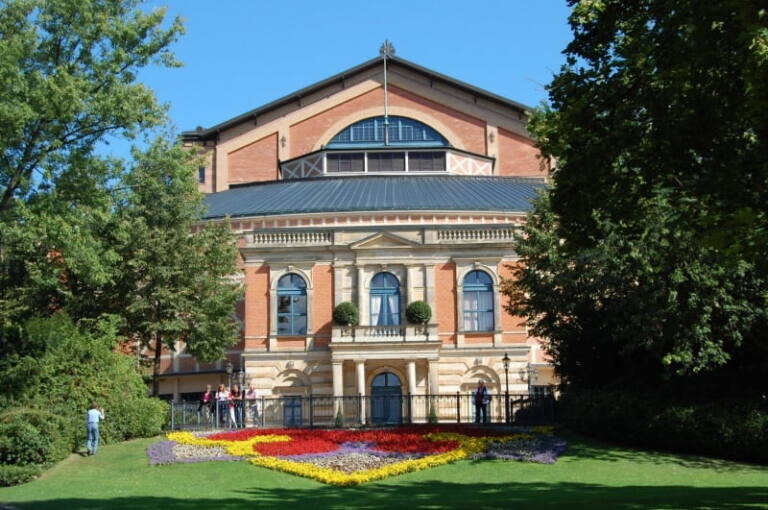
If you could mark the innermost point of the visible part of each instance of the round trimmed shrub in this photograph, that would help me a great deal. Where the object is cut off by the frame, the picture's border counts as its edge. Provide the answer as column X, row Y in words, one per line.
column 31, row 436
column 418, row 312
column 346, row 314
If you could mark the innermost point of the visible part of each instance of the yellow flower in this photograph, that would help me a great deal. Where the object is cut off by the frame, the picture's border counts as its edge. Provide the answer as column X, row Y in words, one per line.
column 234, row 448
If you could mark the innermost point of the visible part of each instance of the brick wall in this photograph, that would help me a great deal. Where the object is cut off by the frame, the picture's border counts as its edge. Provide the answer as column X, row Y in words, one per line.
column 322, row 303
column 257, row 305
column 445, row 301
column 254, row 162
column 517, row 156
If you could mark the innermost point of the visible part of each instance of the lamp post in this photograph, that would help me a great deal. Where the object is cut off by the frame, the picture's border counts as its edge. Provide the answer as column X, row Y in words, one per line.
column 228, row 368
column 506, row 361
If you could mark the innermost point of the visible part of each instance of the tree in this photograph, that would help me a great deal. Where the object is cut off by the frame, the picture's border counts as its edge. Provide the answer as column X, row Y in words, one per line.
column 646, row 261
column 174, row 285
column 68, row 74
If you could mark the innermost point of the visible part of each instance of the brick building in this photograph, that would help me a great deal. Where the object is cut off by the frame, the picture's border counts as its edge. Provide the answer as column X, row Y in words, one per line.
column 382, row 185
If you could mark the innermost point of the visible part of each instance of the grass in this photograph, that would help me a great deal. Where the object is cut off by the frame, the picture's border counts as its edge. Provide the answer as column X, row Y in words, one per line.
column 590, row 475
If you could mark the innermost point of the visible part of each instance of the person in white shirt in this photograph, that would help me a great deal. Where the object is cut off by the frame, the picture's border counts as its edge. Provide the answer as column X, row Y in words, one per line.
column 222, row 404
column 94, row 415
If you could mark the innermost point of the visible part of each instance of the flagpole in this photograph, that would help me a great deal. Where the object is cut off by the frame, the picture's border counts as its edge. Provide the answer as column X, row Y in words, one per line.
column 386, row 51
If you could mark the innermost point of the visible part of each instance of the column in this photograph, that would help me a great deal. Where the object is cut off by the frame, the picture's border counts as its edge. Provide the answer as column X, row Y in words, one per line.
column 411, row 367
column 361, row 308
column 360, row 366
column 338, row 386
column 433, row 383
column 338, row 378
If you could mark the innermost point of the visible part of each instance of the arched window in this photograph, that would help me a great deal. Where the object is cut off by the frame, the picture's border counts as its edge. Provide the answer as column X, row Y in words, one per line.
column 385, row 300
column 402, row 132
column 291, row 305
column 478, row 301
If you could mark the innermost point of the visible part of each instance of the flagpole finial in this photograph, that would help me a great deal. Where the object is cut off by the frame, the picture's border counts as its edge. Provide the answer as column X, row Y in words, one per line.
column 387, row 50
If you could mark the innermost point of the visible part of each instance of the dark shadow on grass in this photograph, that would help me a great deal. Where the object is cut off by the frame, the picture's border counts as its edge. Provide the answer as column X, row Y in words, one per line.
column 434, row 494
column 588, row 448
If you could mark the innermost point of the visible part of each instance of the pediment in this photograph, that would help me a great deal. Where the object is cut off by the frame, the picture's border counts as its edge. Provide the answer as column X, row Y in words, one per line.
column 382, row 240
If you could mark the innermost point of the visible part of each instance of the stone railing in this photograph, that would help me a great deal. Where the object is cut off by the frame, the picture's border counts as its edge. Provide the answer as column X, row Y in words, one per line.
column 291, row 238
column 493, row 235
column 401, row 333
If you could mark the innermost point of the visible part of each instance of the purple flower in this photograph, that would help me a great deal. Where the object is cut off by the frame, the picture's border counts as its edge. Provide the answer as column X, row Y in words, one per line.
column 171, row 452
column 542, row 450
column 161, row 453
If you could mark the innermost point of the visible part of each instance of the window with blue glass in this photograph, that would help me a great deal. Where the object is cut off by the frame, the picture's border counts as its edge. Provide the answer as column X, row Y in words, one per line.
column 402, row 132
column 385, row 300
column 291, row 305
column 478, row 301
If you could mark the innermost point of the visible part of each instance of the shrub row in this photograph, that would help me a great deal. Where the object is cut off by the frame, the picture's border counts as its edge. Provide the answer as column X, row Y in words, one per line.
column 728, row 429
column 14, row 475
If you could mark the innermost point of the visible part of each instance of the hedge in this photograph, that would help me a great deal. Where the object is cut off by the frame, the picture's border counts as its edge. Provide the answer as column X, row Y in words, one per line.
column 735, row 430
column 14, row 475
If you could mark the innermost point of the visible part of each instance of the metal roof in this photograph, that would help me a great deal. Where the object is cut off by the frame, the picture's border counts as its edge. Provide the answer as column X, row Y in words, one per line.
column 205, row 133
column 376, row 193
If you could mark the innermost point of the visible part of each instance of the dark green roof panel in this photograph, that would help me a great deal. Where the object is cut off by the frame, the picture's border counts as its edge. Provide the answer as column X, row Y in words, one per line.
column 367, row 193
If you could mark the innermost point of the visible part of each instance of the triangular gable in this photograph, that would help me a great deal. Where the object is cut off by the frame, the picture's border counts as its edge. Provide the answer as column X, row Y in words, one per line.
column 382, row 240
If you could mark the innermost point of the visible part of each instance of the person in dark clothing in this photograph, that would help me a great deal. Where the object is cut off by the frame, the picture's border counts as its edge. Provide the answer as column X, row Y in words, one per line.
column 207, row 402
column 482, row 398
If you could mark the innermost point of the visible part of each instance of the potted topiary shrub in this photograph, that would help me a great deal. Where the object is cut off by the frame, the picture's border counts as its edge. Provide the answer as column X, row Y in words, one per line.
column 345, row 314
column 418, row 312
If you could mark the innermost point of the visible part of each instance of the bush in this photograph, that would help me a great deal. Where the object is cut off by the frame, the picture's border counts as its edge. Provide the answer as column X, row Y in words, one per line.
column 30, row 436
column 418, row 312
column 733, row 430
column 77, row 369
column 346, row 314
column 141, row 418
column 14, row 475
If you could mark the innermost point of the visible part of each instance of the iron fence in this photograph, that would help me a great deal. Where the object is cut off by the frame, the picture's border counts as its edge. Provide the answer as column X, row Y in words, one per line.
column 357, row 411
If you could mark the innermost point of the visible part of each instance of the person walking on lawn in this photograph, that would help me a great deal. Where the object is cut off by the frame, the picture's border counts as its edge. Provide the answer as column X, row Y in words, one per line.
column 93, row 417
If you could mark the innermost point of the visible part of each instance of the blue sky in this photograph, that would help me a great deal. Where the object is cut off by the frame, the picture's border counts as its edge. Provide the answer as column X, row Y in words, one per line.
column 240, row 54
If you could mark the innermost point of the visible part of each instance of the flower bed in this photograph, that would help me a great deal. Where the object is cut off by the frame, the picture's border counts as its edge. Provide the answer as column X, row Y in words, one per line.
column 351, row 457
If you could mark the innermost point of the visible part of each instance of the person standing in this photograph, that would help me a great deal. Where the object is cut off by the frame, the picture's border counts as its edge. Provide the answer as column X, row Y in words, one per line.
column 236, row 407
column 206, row 403
column 482, row 398
column 222, row 404
column 94, row 415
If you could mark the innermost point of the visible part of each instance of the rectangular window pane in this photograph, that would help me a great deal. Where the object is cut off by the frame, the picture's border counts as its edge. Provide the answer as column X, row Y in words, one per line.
column 300, row 325
column 283, row 304
column 201, row 175
column 485, row 321
column 348, row 162
column 283, row 325
column 470, row 321
column 386, row 161
column 426, row 161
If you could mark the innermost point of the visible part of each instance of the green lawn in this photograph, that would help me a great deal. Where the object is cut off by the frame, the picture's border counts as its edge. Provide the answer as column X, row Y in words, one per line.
column 589, row 475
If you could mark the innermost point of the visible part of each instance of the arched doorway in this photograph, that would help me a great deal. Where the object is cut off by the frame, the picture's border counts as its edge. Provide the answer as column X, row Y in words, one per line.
column 386, row 399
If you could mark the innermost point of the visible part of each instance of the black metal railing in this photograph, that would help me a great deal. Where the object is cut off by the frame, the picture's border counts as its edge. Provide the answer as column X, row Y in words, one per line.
column 356, row 411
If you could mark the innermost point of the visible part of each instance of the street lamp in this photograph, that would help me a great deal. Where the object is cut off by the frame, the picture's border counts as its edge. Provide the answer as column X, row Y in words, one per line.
column 228, row 368
column 506, row 361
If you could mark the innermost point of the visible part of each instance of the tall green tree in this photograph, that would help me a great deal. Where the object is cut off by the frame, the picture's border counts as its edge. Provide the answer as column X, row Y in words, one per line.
column 68, row 72
column 68, row 75
column 174, row 285
column 646, row 261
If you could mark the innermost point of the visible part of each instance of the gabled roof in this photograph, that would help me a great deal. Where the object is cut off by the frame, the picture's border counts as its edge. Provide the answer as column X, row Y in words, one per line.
column 376, row 193
column 206, row 133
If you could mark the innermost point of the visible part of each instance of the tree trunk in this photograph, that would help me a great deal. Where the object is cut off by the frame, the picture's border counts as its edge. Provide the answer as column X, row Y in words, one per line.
column 156, row 367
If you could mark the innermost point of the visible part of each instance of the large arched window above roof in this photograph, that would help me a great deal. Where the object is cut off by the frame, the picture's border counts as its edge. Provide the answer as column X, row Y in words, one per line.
column 403, row 132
